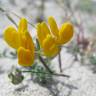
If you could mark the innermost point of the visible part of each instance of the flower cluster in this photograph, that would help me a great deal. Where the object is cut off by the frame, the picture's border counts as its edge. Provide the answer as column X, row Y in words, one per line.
column 52, row 38
column 49, row 36
column 21, row 40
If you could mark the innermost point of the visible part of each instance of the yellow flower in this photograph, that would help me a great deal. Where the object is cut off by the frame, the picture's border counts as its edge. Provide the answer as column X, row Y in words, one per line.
column 46, row 40
column 21, row 40
column 62, row 35
column 51, row 39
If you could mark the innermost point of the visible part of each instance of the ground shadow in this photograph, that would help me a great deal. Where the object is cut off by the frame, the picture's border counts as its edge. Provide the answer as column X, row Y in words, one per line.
column 53, row 88
column 92, row 67
column 1, row 70
column 20, row 88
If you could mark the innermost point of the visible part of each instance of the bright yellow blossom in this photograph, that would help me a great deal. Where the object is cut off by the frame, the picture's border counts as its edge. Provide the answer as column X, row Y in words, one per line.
column 62, row 35
column 51, row 39
column 46, row 40
column 21, row 40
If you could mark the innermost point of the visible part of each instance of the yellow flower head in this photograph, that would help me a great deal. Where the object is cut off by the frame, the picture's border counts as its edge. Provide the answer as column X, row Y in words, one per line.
column 21, row 40
column 51, row 39
column 62, row 35
column 46, row 40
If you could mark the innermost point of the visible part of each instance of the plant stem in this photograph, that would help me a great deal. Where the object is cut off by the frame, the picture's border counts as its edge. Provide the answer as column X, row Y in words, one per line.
column 8, row 12
column 56, row 74
column 45, row 65
column 21, row 17
column 8, row 16
column 11, row 19
column 60, row 63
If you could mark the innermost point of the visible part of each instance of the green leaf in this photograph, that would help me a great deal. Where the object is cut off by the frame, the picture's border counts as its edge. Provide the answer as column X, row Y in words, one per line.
column 93, row 59
column 37, row 44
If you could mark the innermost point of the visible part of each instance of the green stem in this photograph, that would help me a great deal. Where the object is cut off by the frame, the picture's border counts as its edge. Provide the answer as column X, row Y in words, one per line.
column 11, row 19
column 21, row 17
column 8, row 12
column 60, row 63
column 45, row 65
column 56, row 74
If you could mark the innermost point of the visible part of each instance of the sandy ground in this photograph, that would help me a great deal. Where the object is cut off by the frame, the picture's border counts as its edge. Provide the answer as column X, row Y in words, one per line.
column 81, row 83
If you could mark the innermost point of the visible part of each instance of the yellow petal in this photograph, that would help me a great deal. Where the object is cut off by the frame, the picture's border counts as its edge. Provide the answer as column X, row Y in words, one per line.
column 40, row 34
column 49, row 47
column 25, row 57
column 66, row 33
column 53, row 26
column 22, row 25
column 29, row 41
column 11, row 36
column 45, row 29
column 23, row 40
column 26, row 41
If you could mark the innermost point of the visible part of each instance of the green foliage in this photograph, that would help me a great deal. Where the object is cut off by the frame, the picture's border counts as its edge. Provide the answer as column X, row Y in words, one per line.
column 92, row 59
column 37, row 45
column 16, row 77
column 40, row 75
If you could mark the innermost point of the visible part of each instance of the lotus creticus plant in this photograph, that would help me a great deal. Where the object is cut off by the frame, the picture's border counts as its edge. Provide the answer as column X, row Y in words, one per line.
column 49, row 36
column 52, row 38
column 21, row 40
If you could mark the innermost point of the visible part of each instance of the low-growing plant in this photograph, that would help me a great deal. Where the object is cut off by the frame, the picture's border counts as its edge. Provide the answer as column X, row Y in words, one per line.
column 32, row 53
